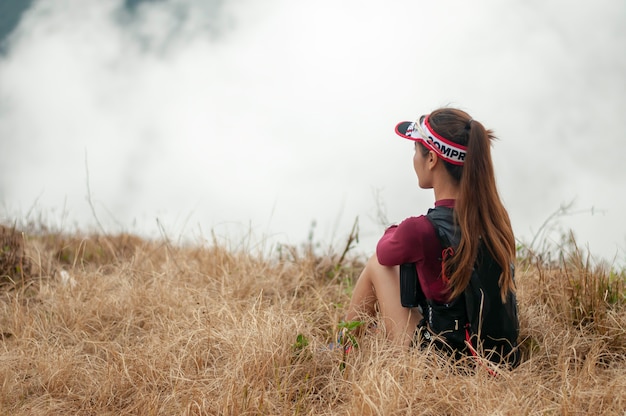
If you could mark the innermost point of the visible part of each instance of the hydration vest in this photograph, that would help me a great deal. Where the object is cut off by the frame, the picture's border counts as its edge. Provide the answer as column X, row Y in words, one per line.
column 477, row 320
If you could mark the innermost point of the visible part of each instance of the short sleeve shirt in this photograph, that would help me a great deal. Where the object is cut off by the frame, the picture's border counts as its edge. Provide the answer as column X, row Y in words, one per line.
column 414, row 240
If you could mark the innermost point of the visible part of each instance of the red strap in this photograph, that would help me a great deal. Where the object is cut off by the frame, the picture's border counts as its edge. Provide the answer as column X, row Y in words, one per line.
column 468, row 341
column 445, row 255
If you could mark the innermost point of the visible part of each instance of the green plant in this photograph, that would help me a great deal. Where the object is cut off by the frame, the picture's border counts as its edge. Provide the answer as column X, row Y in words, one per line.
column 301, row 343
column 347, row 329
column 346, row 339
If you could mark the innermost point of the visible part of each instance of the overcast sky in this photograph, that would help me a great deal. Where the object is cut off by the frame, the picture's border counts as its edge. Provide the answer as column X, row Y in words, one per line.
column 237, row 114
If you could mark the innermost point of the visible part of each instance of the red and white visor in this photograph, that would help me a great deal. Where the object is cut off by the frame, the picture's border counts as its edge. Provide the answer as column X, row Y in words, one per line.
column 422, row 132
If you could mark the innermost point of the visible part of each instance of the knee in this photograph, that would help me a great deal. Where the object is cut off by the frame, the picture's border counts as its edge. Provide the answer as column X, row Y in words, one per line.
column 370, row 268
column 375, row 270
column 373, row 261
column 375, row 266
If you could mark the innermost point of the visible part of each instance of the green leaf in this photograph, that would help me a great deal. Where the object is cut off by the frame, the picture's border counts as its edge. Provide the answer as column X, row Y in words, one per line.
column 350, row 325
column 301, row 343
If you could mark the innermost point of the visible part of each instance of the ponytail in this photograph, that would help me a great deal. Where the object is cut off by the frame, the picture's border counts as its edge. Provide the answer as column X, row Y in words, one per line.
column 479, row 210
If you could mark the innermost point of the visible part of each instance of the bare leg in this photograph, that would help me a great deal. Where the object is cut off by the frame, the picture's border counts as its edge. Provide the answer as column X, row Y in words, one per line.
column 378, row 283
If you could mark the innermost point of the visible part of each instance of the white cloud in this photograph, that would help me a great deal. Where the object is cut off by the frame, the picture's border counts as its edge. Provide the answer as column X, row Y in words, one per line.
column 280, row 112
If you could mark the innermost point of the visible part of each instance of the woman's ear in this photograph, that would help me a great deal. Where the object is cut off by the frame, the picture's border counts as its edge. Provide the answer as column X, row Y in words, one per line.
column 432, row 160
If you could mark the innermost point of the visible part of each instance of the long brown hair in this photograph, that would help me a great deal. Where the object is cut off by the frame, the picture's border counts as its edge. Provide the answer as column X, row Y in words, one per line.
column 478, row 210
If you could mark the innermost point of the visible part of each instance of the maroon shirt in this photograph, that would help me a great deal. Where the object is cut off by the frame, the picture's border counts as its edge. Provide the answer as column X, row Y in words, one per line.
column 414, row 241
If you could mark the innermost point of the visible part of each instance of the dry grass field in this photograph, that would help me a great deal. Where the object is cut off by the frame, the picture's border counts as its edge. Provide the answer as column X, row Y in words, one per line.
column 116, row 325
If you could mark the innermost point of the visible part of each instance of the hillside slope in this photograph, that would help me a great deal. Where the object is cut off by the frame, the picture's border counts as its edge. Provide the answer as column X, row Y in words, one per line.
column 118, row 325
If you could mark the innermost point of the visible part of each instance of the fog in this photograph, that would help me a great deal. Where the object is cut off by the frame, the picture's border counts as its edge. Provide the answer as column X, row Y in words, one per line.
column 247, row 118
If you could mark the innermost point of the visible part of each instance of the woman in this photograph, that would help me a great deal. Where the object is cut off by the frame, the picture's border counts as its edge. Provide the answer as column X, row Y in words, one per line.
column 452, row 157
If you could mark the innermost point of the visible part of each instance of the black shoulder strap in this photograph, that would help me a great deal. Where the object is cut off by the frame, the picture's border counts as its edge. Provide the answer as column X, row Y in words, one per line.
column 442, row 218
column 449, row 234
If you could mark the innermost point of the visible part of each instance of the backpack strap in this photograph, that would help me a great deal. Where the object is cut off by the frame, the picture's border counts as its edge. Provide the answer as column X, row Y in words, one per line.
column 442, row 220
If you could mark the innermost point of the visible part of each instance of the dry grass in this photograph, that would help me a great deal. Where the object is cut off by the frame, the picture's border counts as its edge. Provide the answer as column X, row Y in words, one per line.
column 117, row 325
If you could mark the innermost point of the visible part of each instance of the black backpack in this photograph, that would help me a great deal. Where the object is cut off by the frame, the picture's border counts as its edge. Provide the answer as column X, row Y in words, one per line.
column 478, row 320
